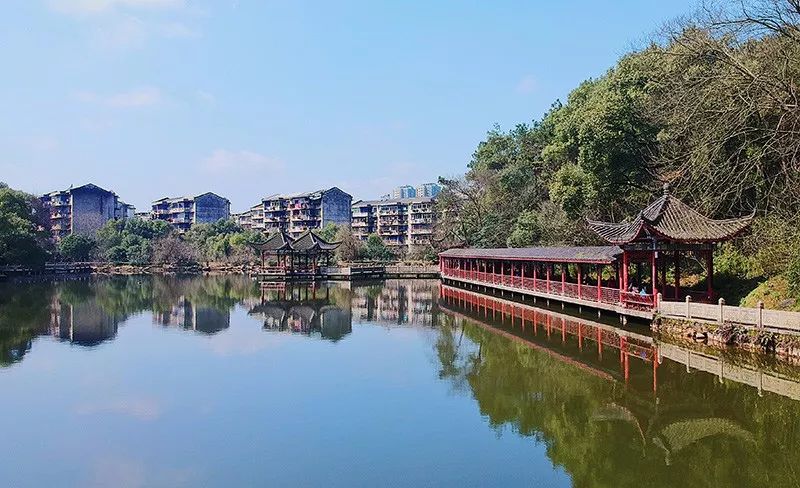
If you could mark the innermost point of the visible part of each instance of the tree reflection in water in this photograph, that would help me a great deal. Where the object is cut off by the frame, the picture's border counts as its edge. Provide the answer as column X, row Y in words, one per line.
column 692, row 431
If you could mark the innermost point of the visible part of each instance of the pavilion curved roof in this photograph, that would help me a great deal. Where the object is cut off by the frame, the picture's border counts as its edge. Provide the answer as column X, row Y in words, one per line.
column 308, row 241
column 280, row 241
column 671, row 219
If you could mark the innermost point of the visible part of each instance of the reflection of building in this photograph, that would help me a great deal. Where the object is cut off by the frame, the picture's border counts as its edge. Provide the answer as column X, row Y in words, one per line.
column 202, row 319
column 303, row 310
column 86, row 323
column 397, row 302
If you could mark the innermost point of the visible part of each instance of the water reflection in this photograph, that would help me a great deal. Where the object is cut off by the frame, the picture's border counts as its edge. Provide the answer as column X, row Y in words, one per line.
column 89, row 312
column 611, row 407
column 305, row 309
column 615, row 408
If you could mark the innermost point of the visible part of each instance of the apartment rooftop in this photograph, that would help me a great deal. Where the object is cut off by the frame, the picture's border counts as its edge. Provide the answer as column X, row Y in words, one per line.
column 185, row 198
column 394, row 201
column 308, row 194
column 86, row 187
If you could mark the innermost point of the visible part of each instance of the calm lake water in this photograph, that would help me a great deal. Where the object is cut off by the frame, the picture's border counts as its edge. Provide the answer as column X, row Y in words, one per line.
column 215, row 381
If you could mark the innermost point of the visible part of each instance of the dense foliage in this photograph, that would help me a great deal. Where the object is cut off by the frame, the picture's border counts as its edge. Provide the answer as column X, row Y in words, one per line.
column 710, row 107
column 23, row 229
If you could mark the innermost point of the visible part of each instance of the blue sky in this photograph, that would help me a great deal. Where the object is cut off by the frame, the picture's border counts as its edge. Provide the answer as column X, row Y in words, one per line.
column 246, row 98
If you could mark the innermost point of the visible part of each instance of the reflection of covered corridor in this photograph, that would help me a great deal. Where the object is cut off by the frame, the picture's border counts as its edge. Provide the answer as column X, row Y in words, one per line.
column 603, row 339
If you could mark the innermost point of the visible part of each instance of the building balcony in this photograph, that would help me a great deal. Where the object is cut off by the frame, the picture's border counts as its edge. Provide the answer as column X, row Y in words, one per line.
column 361, row 215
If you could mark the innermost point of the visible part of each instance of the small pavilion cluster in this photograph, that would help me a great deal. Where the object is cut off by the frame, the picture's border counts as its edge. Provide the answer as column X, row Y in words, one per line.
column 296, row 256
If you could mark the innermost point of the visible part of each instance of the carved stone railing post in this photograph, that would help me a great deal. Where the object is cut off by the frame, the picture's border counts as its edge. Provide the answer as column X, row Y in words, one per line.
column 760, row 315
column 721, row 311
column 688, row 306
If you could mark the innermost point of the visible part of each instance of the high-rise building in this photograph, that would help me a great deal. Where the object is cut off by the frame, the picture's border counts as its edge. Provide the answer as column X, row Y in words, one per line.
column 428, row 190
column 399, row 222
column 405, row 191
column 183, row 212
column 299, row 212
column 83, row 210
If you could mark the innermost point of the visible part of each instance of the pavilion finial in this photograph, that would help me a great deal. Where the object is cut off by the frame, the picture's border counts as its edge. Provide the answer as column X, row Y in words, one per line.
column 666, row 188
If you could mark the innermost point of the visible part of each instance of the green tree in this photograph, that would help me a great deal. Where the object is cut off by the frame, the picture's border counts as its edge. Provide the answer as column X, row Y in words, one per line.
column 23, row 238
column 376, row 250
column 329, row 232
column 76, row 247
column 350, row 248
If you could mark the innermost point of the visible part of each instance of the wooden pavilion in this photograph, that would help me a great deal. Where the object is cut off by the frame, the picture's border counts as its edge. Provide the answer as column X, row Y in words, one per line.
column 664, row 233
column 295, row 256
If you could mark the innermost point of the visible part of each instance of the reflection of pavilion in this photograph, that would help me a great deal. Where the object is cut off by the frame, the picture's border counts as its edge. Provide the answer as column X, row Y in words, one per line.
column 397, row 302
column 185, row 314
column 303, row 310
column 86, row 323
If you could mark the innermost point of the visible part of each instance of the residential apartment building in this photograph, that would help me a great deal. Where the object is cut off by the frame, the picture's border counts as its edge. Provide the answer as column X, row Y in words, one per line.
column 183, row 212
column 399, row 222
column 296, row 213
column 430, row 190
column 404, row 191
column 83, row 210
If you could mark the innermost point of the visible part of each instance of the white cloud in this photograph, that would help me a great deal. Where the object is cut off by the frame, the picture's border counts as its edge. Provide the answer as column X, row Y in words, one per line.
column 123, row 31
column 526, row 85
column 139, row 97
column 130, row 23
column 226, row 160
column 205, row 97
column 88, row 7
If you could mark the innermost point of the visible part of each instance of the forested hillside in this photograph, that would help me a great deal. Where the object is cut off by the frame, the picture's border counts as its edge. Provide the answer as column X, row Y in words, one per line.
column 710, row 107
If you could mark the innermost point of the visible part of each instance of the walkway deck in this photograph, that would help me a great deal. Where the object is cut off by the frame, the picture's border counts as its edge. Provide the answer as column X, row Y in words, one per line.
column 595, row 297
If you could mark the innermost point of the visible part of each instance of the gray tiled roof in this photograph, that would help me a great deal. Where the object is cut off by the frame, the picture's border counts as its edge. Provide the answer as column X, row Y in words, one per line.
column 588, row 254
column 669, row 218
column 282, row 241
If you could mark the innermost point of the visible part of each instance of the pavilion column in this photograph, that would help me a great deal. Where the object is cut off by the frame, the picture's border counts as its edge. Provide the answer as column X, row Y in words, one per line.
column 580, row 280
column 563, row 278
column 625, row 266
column 662, row 257
column 710, row 273
column 653, row 275
column 548, row 278
column 599, row 282
column 677, row 259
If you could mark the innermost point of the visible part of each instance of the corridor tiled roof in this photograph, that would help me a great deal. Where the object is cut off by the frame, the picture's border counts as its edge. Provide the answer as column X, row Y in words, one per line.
column 587, row 254
column 669, row 218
